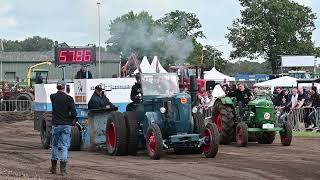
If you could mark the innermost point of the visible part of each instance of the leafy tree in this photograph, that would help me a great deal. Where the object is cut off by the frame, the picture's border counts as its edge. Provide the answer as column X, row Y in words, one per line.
column 183, row 23
column 272, row 28
column 35, row 43
column 210, row 55
column 247, row 67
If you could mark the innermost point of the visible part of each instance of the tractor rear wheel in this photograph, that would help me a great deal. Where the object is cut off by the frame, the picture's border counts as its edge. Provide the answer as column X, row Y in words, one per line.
column 24, row 101
column 223, row 117
column 211, row 135
column 116, row 139
column 265, row 137
column 242, row 134
column 286, row 134
column 199, row 124
column 154, row 141
column 45, row 129
column 75, row 143
column 132, row 132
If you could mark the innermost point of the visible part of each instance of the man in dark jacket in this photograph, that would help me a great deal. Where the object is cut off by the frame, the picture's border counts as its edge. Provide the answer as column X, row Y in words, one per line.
column 315, row 100
column 82, row 74
column 99, row 100
column 63, row 116
column 136, row 90
column 243, row 96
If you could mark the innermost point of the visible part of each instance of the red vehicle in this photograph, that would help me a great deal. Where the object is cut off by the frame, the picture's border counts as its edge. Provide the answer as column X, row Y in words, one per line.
column 184, row 73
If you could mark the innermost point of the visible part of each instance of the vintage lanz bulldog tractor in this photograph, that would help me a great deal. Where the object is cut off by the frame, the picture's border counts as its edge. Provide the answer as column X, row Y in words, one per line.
column 258, row 124
column 162, row 120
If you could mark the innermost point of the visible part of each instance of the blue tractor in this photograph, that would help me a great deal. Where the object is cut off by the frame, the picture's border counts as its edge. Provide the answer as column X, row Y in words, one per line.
column 164, row 119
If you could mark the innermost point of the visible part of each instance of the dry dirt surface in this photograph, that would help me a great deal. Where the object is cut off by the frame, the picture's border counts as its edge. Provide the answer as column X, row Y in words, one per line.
column 21, row 157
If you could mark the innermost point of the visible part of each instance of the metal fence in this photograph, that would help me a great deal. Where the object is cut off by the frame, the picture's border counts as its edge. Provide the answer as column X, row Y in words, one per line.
column 299, row 117
column 15, row 105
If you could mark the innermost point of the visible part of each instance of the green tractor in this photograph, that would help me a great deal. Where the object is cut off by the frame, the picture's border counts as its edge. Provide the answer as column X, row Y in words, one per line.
column 258, row 124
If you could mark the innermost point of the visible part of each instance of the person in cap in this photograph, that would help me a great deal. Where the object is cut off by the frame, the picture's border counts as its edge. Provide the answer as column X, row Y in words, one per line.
column 99, row 100
column 136, row 90
column 82, row 73
column 63, row 117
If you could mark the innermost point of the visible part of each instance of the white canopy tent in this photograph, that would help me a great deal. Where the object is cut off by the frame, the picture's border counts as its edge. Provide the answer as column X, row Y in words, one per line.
column 156, row 66
column 214, row 74
column 144, row 66
column 285, row 81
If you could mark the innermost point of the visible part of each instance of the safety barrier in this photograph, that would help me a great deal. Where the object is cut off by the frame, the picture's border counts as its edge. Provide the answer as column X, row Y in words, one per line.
column 317, row 117
column 298, row 116
column 207, row 113
column 15, row 105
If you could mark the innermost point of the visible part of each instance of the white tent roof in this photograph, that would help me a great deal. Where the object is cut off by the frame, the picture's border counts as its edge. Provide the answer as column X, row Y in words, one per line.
column 214, row 74
column 285, row 81
column 144, row 66
column 156, row 64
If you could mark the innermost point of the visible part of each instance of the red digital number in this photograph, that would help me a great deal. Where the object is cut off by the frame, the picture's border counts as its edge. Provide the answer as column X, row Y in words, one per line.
column 63, row 56
column 73, row 55
column 87, row 56
column 79, row 55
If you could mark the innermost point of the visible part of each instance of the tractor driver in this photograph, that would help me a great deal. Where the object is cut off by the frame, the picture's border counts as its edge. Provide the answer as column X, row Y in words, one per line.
column 243, row 96
column 99, row 100
column 136, row 90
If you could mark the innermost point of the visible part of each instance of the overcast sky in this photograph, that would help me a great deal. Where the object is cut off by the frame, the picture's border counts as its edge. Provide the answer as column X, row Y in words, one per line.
column 76, row 21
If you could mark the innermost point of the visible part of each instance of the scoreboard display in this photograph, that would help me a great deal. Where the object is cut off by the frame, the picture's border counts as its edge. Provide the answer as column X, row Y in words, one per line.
column 75, row 55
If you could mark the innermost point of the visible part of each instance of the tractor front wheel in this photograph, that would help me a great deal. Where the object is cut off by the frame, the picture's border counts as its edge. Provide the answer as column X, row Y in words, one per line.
column 211, row 135
column 199, row 124
column 154, row 141
column 242, row 134
column 45, row 131
column 265, row 137
column 286, row 134
column 116, row 134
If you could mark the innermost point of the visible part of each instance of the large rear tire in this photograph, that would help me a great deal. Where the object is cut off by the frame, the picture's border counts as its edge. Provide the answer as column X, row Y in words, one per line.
column 223, row 117
column 154, row 141
column 75, row 143
column 242, row 134
column 116, row 139
column 211, row 136
column 265, row 137
column 199, row 124
column 286, row 134
column 132, row 132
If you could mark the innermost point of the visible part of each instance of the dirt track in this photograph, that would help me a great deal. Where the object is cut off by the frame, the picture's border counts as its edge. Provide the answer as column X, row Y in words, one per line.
column 21, row 157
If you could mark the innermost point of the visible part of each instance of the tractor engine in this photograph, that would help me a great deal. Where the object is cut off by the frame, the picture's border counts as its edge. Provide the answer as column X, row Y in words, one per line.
column 260, row 112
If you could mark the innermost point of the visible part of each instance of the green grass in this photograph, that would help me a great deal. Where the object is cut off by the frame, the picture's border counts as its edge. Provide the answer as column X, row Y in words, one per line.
column 305, row 134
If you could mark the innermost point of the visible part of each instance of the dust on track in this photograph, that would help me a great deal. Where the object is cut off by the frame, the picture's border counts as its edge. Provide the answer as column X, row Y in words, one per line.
column 21, row 157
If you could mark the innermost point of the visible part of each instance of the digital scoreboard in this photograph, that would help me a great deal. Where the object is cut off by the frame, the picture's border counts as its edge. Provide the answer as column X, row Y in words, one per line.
column 75, row 55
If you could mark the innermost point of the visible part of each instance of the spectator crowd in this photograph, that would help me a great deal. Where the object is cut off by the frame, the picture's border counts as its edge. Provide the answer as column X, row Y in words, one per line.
column 286, row 101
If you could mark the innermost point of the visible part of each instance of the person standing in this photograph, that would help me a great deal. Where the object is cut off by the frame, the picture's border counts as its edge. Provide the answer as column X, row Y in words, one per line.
column 82, row 73
column 136, row 90
column 315, row 100
column 63, row 116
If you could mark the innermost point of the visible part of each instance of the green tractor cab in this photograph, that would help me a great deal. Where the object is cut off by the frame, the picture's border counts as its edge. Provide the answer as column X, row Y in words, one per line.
column 39, row 76
column 164, row 120
column 260, row 121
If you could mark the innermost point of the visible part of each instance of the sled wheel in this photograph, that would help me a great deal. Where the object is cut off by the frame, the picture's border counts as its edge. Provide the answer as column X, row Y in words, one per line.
column 116, row 140
column 45, row 131
column 154, row 141
column 211, row 135
column 75, row 139
column 242, row 134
